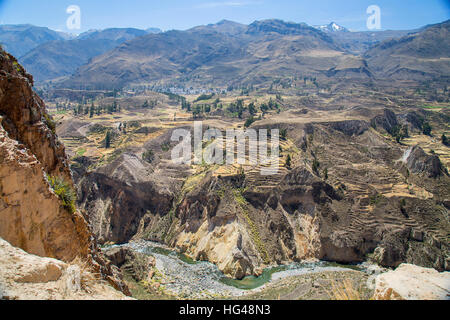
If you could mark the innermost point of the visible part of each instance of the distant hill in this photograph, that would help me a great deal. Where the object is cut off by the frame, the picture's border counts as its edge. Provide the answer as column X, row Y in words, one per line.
column 224, row 26
column 55, row 59
column 20, row 39
column 231, row 54
column 360, row 42
column 421, row 55
column 115, row 34
column 153, row 30
column 220, row 54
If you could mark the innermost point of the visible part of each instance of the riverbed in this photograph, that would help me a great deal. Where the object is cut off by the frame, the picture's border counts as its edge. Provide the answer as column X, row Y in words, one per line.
column 185, row 277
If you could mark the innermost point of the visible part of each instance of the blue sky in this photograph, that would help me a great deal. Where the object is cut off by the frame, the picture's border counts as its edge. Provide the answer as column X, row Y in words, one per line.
column 183, row 14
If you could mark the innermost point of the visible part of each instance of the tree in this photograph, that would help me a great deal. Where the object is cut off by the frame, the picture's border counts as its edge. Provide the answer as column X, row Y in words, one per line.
column 249, row 122
column 315, row 166
column 252, row 108
column 114, row 106
column 288, row 161
column 445, row 141
column 91, row 110
column 108, row 139
column 426, row 129
column 283, row 134
column 325, row 174
column 197, row 111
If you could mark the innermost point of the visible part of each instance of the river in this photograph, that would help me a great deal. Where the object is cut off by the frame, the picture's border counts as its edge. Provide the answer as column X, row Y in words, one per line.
column 196, row 279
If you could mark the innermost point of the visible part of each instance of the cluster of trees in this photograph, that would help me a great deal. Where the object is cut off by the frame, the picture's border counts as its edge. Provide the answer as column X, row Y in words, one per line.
column 185, row 105
column 96, row 110
column 62, row 106
column 204, row 97
column 235, row 109
column 271, row 105
column 150, row 105
column 400, row 132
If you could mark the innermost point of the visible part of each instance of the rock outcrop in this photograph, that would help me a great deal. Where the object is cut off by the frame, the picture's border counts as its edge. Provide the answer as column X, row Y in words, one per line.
column 419, row 162
column 33, row 215
column 25, row 276
column 410, row 282
column 136, row 264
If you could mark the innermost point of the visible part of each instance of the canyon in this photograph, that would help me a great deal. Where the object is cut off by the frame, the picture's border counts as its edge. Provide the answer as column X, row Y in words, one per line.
column 88, row 182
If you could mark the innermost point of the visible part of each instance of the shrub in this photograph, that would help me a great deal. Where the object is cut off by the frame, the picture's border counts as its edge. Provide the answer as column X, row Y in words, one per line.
column 249, row 122
column 64, row 191
column 445, row 141
column 108, row 139
column 148, row 156
column 315, row 166
column 426, row 129
column 288, row 161
column 283, row 134
column 204, row 97
column 50, row 123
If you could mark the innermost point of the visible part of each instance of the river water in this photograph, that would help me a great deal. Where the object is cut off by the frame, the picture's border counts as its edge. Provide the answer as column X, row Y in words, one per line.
column 196, row 279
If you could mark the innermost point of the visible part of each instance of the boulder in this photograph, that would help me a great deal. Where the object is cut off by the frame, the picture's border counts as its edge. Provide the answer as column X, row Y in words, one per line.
column 410, row 282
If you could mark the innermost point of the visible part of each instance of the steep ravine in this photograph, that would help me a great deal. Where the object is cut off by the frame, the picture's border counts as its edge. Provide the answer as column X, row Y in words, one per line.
column 244, row 222
column 35, row 215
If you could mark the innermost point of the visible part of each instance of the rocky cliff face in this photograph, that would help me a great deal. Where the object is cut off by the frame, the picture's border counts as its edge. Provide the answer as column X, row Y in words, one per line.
column 29, row 277
column 34, row 216
column 343, row 198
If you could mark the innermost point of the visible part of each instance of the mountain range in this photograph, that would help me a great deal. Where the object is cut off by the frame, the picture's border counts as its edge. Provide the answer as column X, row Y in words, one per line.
column 226, row 53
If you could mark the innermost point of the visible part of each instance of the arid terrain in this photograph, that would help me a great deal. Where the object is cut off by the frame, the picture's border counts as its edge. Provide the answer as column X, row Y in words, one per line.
column 362, row 180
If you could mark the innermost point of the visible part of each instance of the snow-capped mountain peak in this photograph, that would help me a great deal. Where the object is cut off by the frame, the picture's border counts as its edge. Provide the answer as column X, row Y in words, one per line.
column 332, row 27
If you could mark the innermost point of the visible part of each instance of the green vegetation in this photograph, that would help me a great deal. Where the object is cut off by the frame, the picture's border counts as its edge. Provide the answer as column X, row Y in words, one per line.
column 256, row 237
column 435, row 107
column 375, row 199
column 426, row 129
column 204, row 97
column 249, row 122
column 400, row 132
column 148, row 156
column 17, row 66
column 81, row 152
column 91, row 110
column 165, row 146
column 325, row 174
column 64, row 191
column 108, row 139
column 252, row 108
column 288, row 161
column 149, row 105
column 50, row 123
column 444, row 140
column 316, row 166
column 283, row 134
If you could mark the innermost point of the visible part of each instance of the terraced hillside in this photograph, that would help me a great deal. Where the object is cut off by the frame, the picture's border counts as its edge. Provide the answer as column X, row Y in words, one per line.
column 343, row 190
